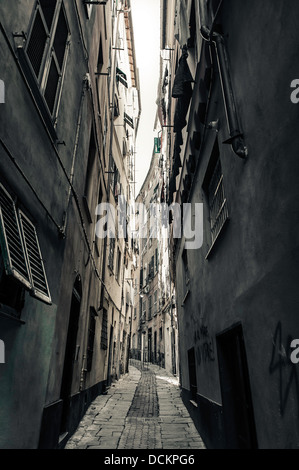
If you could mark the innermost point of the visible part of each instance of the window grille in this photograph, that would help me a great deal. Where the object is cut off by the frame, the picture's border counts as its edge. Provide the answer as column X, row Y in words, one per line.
column 104, row 334
column 48, row 8
column 37, row 43
column 217, row 201
column 20, row 248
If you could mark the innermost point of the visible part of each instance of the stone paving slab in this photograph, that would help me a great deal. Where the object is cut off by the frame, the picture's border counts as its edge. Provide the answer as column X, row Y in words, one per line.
column 143, row 410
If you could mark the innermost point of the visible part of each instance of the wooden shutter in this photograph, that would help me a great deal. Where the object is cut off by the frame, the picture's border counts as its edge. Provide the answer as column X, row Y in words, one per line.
column 36, row 265
column 12, row 246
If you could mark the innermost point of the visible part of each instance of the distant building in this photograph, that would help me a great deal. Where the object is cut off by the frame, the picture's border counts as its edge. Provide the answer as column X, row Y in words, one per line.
column 233, row 147
column 154, row 326
column 67, row 136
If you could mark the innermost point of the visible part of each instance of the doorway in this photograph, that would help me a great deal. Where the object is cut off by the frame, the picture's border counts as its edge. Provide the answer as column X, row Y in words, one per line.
column 192, row 373
column 70, row 353
column 235, row 389
column 149, row 345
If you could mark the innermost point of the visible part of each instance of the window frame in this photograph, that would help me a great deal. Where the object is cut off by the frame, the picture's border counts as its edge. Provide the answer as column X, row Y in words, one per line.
column 48, row 54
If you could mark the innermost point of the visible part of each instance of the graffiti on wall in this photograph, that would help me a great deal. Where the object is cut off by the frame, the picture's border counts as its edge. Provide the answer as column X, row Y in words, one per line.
column 204, row 345
column 284, row 368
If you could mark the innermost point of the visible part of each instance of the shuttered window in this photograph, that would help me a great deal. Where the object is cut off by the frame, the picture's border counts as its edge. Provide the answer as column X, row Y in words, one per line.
column 13, row 253
column 104, row 335
column 20, row 248
column 35, row 261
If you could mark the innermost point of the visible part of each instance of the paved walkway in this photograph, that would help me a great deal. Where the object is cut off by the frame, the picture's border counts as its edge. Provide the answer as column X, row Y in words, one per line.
column 143, row 410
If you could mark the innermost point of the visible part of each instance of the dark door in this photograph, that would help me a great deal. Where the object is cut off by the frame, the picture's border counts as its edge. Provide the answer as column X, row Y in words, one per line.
column 235, row 388
column 192, row 373
column 110, row 357
column 70, row 351
column 150, row 345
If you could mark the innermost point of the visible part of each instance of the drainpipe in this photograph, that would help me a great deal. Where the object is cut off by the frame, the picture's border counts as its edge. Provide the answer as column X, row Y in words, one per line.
column 236, row 137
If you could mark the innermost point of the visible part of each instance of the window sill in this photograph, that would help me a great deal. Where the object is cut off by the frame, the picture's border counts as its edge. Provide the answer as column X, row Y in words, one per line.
column 219, row 235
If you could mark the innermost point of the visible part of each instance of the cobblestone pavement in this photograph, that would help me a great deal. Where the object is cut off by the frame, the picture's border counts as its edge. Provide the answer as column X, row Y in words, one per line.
column 143, row 410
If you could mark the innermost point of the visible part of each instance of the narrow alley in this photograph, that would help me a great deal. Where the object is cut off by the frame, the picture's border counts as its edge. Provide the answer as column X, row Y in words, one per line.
column 143, row 410
column 149, row 230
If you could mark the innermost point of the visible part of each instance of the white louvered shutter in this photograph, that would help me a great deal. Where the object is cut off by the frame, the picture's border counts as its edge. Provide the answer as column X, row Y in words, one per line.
column 12, row 246
column 39, row 282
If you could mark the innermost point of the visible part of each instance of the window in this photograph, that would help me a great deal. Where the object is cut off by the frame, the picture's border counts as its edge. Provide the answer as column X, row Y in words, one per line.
column 213, row 186
column 97, row 239
column 21, row 259
column 91, row 335
column 111, row 253
column 104, row 334
column 121, row 77
column 128, row 120
column 100, row 57
column 140, row 309
column 155, row 302
column 115, row 179
column 157, row 260
column 118, row 264
column 144, row 310
column 88, row 190
column 150, row 307
column 46, row 49
column 186, row 278
column 152, row 267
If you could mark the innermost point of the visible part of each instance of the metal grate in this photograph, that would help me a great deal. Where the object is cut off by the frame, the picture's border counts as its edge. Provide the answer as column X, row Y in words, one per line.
column 217, row 201
column 48, row 8
column 11, row 240
column 38, row 275
column 61, row 38
column 37, row 43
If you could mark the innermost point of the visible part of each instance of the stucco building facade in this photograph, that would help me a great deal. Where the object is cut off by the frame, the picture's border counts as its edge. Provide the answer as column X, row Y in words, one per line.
column 233, row 149
column 66, row 147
